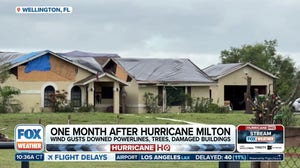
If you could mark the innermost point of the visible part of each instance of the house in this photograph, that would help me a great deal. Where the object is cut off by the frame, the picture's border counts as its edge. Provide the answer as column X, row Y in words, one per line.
column 231, row 83
column 42, row 73
column 167, row 78
column 106, row 81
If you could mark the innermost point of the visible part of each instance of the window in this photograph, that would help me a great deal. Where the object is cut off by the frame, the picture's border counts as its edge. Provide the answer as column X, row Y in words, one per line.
column 160, row 95
column 107, row 93
column 189, row 90
column 175, row 96
column 76, row 96
column 48, row 92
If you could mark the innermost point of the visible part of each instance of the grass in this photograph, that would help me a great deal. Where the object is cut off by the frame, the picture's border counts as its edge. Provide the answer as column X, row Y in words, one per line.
column 297, row 123
column 234, row 118
column 9, row 121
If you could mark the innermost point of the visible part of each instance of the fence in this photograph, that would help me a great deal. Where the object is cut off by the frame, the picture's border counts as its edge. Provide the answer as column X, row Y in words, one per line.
column 292, row 148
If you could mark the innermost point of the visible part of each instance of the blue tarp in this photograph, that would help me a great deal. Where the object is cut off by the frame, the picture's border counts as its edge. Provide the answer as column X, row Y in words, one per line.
column 39, row 64
column 26, row 57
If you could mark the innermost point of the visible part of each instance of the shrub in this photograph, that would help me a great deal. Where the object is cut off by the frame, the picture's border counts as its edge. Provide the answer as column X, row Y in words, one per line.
column 60, row 103
column 7, row 103
column 205, row 105
column 187, row 104
column 86, row 108
column 151, row 103
column 212, row 107
column 285, row 116
column 200, row 105
column 67, row 108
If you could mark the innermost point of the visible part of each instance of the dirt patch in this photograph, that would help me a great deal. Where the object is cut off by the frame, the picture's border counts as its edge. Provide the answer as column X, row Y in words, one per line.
column 4, row 139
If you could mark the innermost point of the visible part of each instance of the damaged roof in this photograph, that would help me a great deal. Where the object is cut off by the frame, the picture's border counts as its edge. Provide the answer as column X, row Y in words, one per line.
column 215, row 71
column 147, row 70
column 87, row 62
column 220, row 70
column 154, row 70
column 84, row 59
column 89, row 59
column 88, row 54
column 7, row 57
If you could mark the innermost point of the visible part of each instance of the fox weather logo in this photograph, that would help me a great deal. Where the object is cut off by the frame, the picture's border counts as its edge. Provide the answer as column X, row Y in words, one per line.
column 29, row 138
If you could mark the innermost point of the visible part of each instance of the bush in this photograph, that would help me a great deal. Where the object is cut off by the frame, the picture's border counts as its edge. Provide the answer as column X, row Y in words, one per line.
column 67, row 108
column 285, row 116
column 151, row 103
column 7, row 103
column 212, row 107
column 205, row 105
column 187, row 104
column 200, row 105
column 86, row 108
column 16, row 106
column 224, row 109
column 60, row 103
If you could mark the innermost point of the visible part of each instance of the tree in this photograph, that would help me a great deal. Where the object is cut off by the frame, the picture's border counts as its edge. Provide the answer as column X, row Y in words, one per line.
column 297, row 89
column 264, row 55
column 7, row 103
column 4, row 73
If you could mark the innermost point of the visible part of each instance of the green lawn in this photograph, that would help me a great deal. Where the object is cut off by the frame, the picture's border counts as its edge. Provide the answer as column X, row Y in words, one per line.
column 9, row 121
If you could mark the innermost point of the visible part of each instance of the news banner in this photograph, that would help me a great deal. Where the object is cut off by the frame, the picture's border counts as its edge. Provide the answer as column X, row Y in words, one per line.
column 69, row 143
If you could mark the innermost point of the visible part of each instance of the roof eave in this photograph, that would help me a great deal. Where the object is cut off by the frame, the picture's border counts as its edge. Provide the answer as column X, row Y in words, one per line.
column 29, row 59
column 177, row 83
column 260, row 69
column 102, row 75
column 56, row 55
column 238, row 68
column 74, row 63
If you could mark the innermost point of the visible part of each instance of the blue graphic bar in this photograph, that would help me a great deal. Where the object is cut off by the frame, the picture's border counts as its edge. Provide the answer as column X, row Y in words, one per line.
column 199, row 157
column 26, row 157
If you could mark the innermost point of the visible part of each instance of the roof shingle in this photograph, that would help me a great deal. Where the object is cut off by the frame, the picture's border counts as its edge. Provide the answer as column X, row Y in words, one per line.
column 155, row 70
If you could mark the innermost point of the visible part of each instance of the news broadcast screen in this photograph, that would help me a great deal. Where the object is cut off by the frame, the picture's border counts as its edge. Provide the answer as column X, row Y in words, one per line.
column 149, row 83
column 149, row 143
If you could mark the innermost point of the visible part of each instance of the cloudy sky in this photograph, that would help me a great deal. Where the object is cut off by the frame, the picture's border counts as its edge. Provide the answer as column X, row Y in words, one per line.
column 195, row 29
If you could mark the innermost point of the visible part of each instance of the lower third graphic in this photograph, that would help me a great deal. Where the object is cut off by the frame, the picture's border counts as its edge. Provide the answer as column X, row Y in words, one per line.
column 43, row 9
